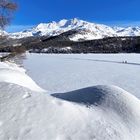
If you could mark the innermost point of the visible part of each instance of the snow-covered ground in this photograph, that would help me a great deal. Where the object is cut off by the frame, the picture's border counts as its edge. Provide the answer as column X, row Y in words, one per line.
column 61, row 73
column 103, row 112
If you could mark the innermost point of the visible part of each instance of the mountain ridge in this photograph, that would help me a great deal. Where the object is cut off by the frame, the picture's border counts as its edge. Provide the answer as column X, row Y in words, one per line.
column 85, row 30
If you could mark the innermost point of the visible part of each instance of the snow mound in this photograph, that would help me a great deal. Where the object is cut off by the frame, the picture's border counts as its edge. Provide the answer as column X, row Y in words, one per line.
column 11, row 73
column 116, row 102
column 108, row 97
column 25, row 115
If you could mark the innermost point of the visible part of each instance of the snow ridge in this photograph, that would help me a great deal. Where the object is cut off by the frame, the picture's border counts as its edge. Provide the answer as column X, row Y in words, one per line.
column 11, row 73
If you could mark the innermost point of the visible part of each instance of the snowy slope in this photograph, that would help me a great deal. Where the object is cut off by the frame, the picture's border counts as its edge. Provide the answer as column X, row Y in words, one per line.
column 55, row 28
column 87, row 30
column 11, row 73
column 129, row 31
column 99, row 112
column 3, row 33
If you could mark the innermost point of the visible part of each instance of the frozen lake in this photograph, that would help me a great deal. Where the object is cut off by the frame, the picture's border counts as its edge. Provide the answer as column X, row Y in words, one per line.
column 66, row 72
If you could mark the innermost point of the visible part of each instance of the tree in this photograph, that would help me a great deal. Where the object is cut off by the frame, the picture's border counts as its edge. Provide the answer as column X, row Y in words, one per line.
column 7, row 7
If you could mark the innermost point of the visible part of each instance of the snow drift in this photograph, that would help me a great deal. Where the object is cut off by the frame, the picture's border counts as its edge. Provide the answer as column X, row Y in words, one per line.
column 93, row 113
column 108, row 98
column 11, row 73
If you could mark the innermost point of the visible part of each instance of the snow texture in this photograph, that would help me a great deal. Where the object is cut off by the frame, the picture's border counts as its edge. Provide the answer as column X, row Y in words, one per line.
column 100, row 112
column 63, row 73
column 11, row 73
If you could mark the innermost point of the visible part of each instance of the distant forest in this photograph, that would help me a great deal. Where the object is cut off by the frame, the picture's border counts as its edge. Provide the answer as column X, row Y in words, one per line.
column 61, row 44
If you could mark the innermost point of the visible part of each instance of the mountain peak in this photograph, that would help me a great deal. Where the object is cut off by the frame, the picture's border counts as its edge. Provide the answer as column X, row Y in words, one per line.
column 75, row 20
column 85, row 30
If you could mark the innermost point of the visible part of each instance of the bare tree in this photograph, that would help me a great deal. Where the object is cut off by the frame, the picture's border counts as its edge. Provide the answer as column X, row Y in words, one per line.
column 7, row 7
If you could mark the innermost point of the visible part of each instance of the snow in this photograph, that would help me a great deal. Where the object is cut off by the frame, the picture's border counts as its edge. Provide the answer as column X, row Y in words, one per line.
column 12, row 74
column 86, row 30
column 41, row 116
column 45, row 50
column 66, row 72
column 87, row 36
column 129, row 31
column 3, row 33
column 21, row 34
column 95, row 112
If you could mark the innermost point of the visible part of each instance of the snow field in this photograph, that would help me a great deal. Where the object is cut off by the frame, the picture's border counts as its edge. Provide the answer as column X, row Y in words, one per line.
column 27, row 112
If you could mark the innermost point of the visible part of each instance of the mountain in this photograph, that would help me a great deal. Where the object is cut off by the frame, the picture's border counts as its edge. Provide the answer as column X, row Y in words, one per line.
column 84, row 30
column 3, row 33
column 129, row 31
column 74, row 36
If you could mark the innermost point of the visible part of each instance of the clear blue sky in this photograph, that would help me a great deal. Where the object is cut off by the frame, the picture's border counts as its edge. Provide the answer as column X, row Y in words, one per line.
column 110, row 12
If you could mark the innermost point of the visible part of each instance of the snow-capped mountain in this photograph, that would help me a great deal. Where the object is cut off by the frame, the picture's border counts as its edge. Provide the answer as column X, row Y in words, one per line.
column 3, row 33
column 129, row 31
column 85, row 30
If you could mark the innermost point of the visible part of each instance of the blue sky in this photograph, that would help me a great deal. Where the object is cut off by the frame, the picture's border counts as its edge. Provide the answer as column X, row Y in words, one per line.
column 110, row 12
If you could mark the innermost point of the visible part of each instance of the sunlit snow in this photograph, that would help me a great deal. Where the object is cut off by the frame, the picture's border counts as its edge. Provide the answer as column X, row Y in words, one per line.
column 80, row 102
